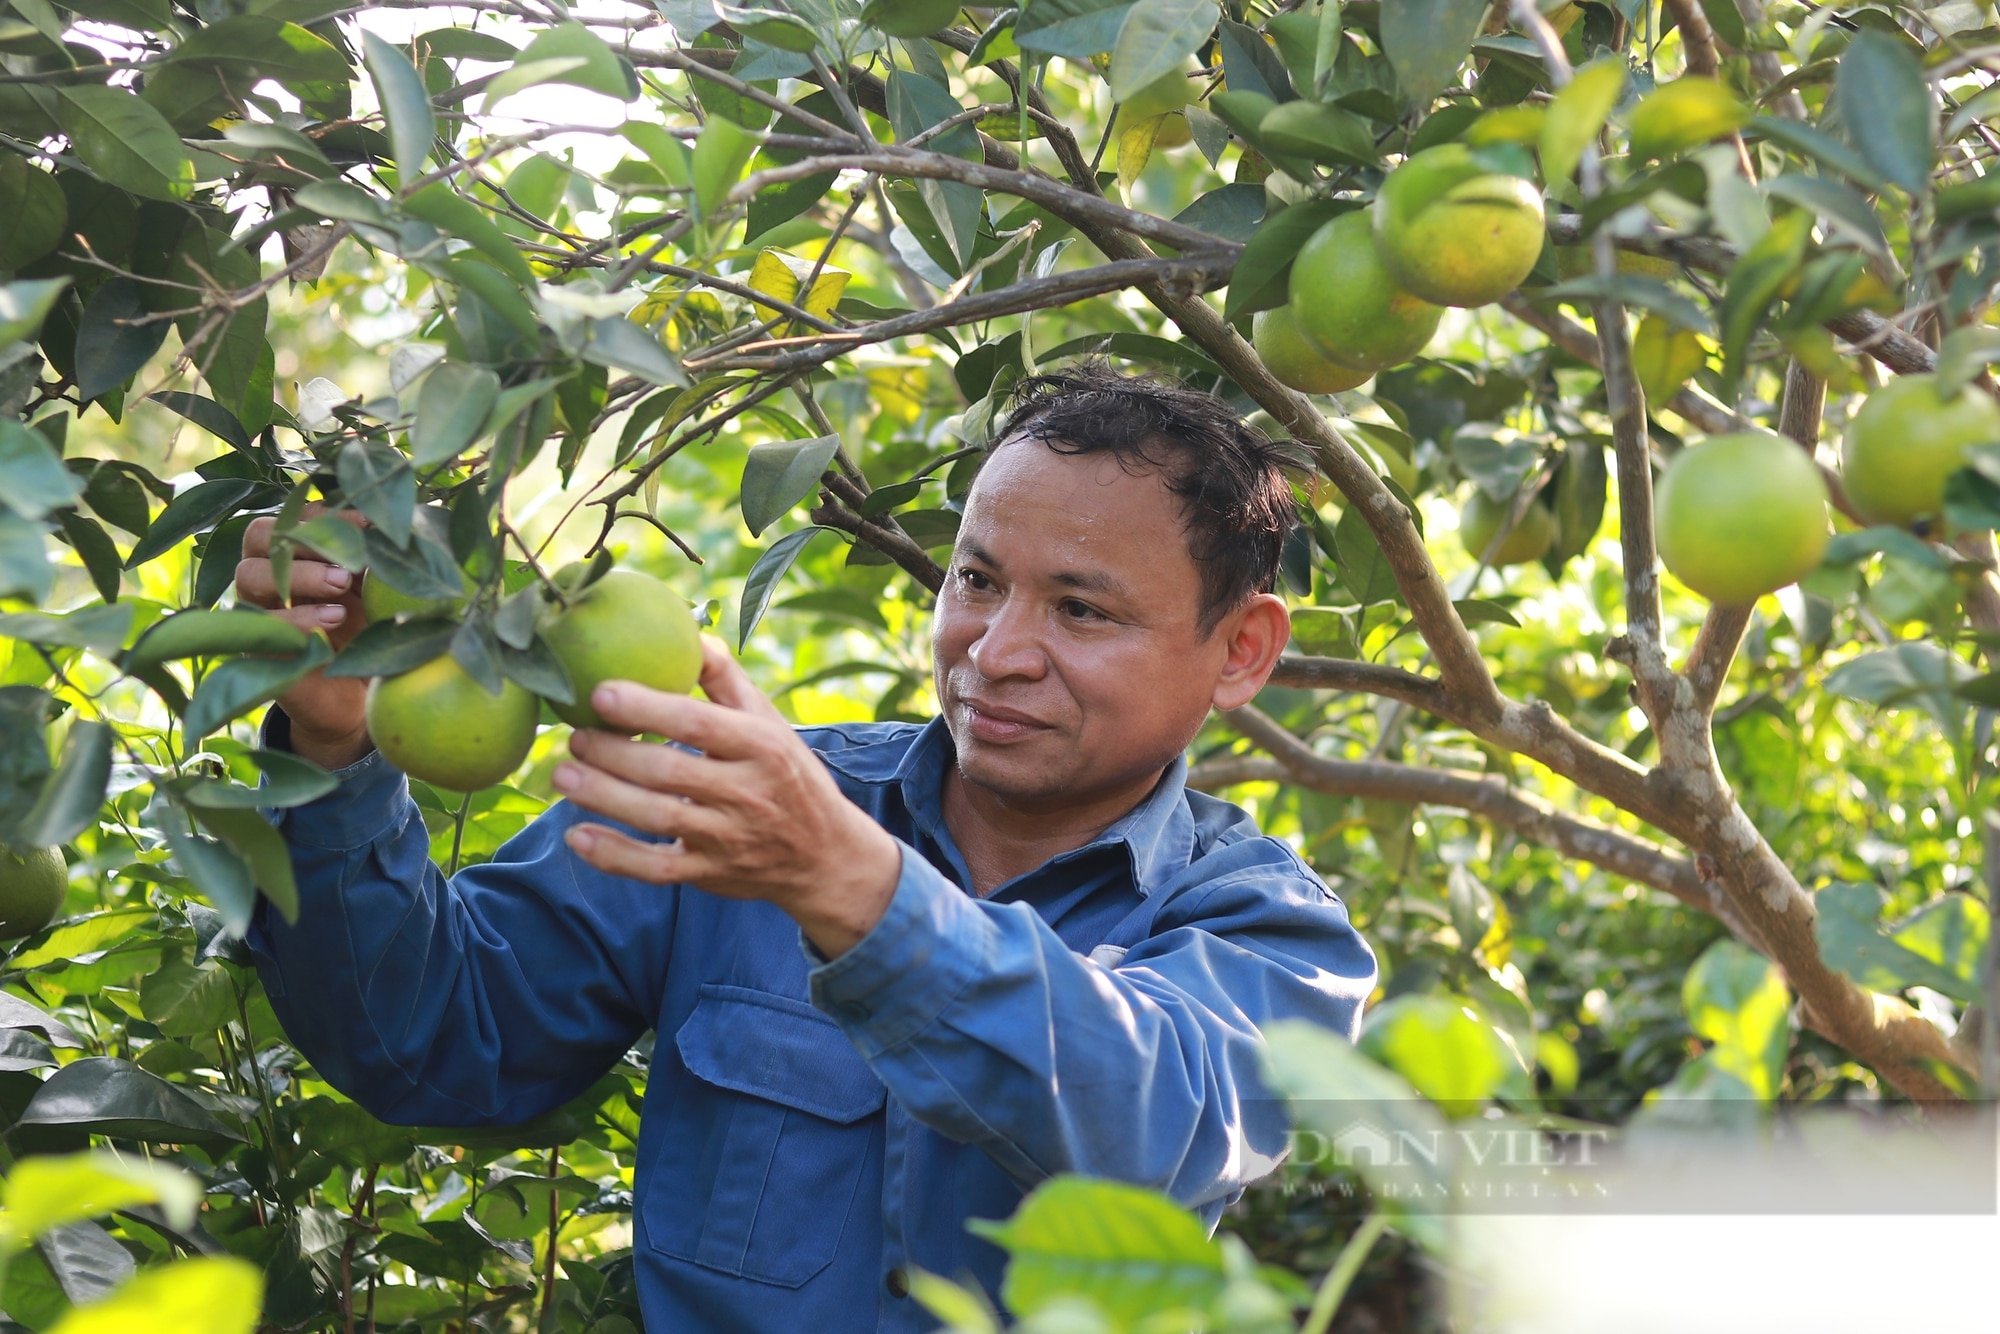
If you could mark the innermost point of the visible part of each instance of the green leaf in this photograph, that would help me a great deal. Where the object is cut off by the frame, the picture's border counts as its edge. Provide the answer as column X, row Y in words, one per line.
column 763, row 578
column 1577, row 114
column 23, row 306
column 1823, row 148
column 70, row 802
column 1426, row 41
column 116, row 338
column 194, row 510
column 1450, row 1056
column 1914, row 674
column 390, row 648
column 46, row 1191
column 250, row 836
column 449, row 211
column 116, row 1098
column 1077, row 29
column 17, row 1013
column 1364, row 571
column 33, row 480
column 1840, row 207
column 1156, row 39
column 201, row 634
column 619, row 344
column 721, row 152
column 1319, row 133
column 400, row 91
column 208, row 1294
column 209, row 415
column 1887, row 110
column 1130, row 1252
column 452, row 410
column 185, row 1000
column 241, row 684
column 1337, row 1094
column 36, row 213
column 1637, row 290
column 100, row 629
column 1264, row 267
column 84, row 1259
column 377, row 480
column 1737, row 999
column 1688, row 111
column 124, row 140
column 567, row 53
column 779, row 476
column 86, row 935
column 917, row 103
column 1939, row 947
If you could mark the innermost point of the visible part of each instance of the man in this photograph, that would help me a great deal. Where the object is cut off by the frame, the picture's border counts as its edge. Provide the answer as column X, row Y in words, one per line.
column 898, row 974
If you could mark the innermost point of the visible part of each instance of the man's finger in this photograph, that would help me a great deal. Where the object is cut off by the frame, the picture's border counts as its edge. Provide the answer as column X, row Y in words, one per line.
column 621, row 855
column 715, row 730
column 648, row 763
column 643, row 808
column 725, row 682
column 312, row 581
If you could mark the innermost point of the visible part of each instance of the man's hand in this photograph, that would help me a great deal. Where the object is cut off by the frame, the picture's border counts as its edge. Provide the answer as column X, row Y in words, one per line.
column 756, row 814
column 327, row 712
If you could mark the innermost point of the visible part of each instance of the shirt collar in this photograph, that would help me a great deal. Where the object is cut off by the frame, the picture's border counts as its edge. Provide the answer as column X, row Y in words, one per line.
column 1157, row 835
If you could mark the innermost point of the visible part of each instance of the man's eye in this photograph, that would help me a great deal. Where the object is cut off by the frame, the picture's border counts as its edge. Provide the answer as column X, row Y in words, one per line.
column 1082, row 611
column 971, row 578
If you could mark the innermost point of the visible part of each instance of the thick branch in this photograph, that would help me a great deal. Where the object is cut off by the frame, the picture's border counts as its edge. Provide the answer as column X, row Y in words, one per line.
column 887, row 538
column 1366, row 678
column 1485, row 795
column 1697, row 38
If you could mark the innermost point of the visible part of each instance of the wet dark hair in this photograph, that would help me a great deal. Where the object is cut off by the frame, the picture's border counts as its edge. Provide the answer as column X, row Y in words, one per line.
column 1232, row 480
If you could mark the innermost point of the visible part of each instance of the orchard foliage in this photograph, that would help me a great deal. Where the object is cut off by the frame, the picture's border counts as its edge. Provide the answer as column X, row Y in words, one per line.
column 744, row 286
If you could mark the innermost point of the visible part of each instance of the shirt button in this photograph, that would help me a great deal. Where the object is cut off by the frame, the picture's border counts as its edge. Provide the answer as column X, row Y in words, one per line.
column 897, row 1282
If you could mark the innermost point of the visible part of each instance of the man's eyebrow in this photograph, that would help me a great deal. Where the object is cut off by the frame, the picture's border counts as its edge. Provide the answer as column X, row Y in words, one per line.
column 1088, row 581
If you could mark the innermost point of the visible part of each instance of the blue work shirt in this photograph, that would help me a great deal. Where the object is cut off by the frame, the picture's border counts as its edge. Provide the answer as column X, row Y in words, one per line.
column 812, row 1129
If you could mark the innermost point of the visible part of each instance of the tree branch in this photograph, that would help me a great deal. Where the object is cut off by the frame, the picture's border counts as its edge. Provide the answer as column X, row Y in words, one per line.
column 1367, row 678
column 1484, row 795
column 1697, row 38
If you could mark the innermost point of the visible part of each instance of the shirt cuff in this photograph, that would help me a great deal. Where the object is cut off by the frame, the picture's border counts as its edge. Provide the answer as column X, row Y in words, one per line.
column 368, row 800
column 913, row 963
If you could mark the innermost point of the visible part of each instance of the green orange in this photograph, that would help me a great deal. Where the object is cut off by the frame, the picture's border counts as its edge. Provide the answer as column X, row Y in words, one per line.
column 628, row 626
column 1906, row 440
column 436, row 723
column 1741, row 515
column 1295, row 359
column 1453, row 231
column 1482, row 519
column 32, row 884
column 1346, row 302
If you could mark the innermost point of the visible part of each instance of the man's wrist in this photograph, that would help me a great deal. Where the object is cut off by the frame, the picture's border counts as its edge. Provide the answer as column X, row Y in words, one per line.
column 838, row 910
column 331, row 753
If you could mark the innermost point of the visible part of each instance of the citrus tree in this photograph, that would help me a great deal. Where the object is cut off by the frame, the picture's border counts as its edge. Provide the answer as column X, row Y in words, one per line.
column 1549, row 292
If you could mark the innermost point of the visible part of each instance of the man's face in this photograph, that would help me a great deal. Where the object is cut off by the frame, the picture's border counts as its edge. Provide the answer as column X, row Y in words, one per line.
column 1068, row 660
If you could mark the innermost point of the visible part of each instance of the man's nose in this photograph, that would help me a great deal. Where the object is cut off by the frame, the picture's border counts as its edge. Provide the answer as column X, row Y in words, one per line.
column 1009, row 644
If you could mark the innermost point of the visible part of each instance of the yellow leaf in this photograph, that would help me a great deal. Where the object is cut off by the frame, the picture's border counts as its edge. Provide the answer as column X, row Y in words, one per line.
column 206, row 1295
column 779, row 273
column 1664, row 357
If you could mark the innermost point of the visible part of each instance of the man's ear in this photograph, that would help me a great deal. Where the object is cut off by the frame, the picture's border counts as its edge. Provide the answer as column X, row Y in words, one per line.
column 1257, row 632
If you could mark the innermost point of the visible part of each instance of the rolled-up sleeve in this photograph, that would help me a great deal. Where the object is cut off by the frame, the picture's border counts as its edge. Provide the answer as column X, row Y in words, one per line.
column 991, row 1030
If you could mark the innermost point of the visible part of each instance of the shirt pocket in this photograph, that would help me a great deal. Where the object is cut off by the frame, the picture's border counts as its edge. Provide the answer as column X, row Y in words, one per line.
column 756, row 1165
